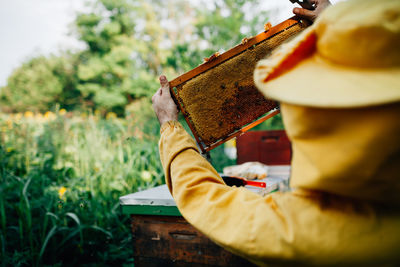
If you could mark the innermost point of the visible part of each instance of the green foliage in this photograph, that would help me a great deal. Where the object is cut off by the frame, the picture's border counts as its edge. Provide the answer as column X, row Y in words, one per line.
column 39, row 83
column 128, row 44
column 60, row 180
column 226, row 24
column 219, row 25
column 106, row 71
column 274, row 123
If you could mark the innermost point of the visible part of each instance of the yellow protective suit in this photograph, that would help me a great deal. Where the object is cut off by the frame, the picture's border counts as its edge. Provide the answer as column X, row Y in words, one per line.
column 345, row 205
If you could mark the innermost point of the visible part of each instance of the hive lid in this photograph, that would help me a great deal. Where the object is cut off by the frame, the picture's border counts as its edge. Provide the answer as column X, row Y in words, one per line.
column 219, row 99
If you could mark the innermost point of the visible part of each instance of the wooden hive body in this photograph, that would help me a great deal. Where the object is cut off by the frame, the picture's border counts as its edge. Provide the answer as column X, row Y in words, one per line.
column 219, row 98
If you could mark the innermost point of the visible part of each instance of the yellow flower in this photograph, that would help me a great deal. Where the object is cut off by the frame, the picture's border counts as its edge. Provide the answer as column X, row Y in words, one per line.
column 146, row 176
column 9, row 123
column 39, row 116
column 28, row 114
column 18, row 116
column 9, row 149
column 62, row 191
column 62, row 112
column 111, row 115
column 49, row 115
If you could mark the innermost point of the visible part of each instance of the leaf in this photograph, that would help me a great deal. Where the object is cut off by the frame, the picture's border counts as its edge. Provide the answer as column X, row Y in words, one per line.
column 109, row 234
column 49, row 235
column 26, row 186
column 74, row 217
column 72, row 234
column 52, row 215
column 3, row 245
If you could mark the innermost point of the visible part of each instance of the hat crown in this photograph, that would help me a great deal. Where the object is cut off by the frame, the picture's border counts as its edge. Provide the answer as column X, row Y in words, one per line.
column 349, row 58
column 361, row 33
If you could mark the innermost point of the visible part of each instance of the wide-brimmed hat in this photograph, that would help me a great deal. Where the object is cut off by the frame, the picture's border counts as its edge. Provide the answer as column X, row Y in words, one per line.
column 349, row 58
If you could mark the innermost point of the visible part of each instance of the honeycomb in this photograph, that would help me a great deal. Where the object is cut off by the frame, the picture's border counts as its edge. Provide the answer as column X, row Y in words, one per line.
column 223, row 99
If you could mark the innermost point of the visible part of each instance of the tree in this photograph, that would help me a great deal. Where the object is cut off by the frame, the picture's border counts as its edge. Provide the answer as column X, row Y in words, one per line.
column 40, row 83
column 218, row 26
column 128, row 44
column 113, row 72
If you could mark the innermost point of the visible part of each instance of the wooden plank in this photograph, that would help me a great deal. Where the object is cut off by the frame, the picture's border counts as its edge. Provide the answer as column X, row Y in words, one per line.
column 244, row 129
column 268, row 147
column 174, row 242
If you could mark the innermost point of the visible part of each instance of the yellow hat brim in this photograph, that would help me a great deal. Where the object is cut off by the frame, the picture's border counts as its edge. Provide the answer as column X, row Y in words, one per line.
column 311, row 80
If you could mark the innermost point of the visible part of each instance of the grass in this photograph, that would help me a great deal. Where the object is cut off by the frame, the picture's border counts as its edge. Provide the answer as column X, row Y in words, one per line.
column 60, row 179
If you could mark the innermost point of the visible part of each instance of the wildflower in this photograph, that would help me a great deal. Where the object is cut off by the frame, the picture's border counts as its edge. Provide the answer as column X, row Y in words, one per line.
column 97, row 166
column 49, row 115
column 28, row 114
column 111, row 115
column 69, row 164
column 146, row 176
column 18, row 117
column 39, row 117
column 60, row 205
column 70, row 149
column 9, row 123
column 138, row 133
column 10, row 149
column 62, row 191
column 62, row 112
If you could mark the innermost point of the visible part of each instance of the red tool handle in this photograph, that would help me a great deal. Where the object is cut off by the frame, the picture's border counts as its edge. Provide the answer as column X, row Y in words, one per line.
column 240, row 181
column 254, row 183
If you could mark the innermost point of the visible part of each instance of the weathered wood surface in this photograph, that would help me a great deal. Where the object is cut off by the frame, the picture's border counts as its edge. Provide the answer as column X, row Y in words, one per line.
column 268, row 147
column 172, row 241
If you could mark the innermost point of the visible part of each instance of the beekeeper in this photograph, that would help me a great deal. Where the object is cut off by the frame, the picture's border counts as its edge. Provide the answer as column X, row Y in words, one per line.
column 338, row 83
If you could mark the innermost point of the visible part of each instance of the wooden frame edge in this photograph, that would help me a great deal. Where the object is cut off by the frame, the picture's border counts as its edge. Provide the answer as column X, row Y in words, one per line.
column 244, row 129
column 234, row 51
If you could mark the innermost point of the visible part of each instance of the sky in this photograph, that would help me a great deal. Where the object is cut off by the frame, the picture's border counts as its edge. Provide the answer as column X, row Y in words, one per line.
column 34, row 27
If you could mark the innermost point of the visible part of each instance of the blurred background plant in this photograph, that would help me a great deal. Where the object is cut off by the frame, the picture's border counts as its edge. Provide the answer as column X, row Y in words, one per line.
column 61, row 177
column 78, row 130
column 127, row 45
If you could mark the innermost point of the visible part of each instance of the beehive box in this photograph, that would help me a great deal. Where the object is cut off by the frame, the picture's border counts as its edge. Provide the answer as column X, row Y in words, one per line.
column 219, row 99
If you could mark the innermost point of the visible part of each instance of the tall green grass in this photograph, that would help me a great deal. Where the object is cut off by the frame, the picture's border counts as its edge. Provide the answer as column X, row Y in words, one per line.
column 60, row 179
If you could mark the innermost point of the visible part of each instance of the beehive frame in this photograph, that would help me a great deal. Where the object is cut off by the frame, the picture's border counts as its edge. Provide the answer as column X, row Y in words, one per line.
column 208, row 131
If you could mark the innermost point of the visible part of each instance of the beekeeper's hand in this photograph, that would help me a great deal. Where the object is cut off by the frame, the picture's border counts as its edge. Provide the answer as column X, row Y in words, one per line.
column 311, row 15
column 163, row 105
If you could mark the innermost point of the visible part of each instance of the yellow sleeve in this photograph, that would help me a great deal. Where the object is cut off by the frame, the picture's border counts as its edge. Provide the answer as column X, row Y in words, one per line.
column 228, row 215
column 312, row 228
